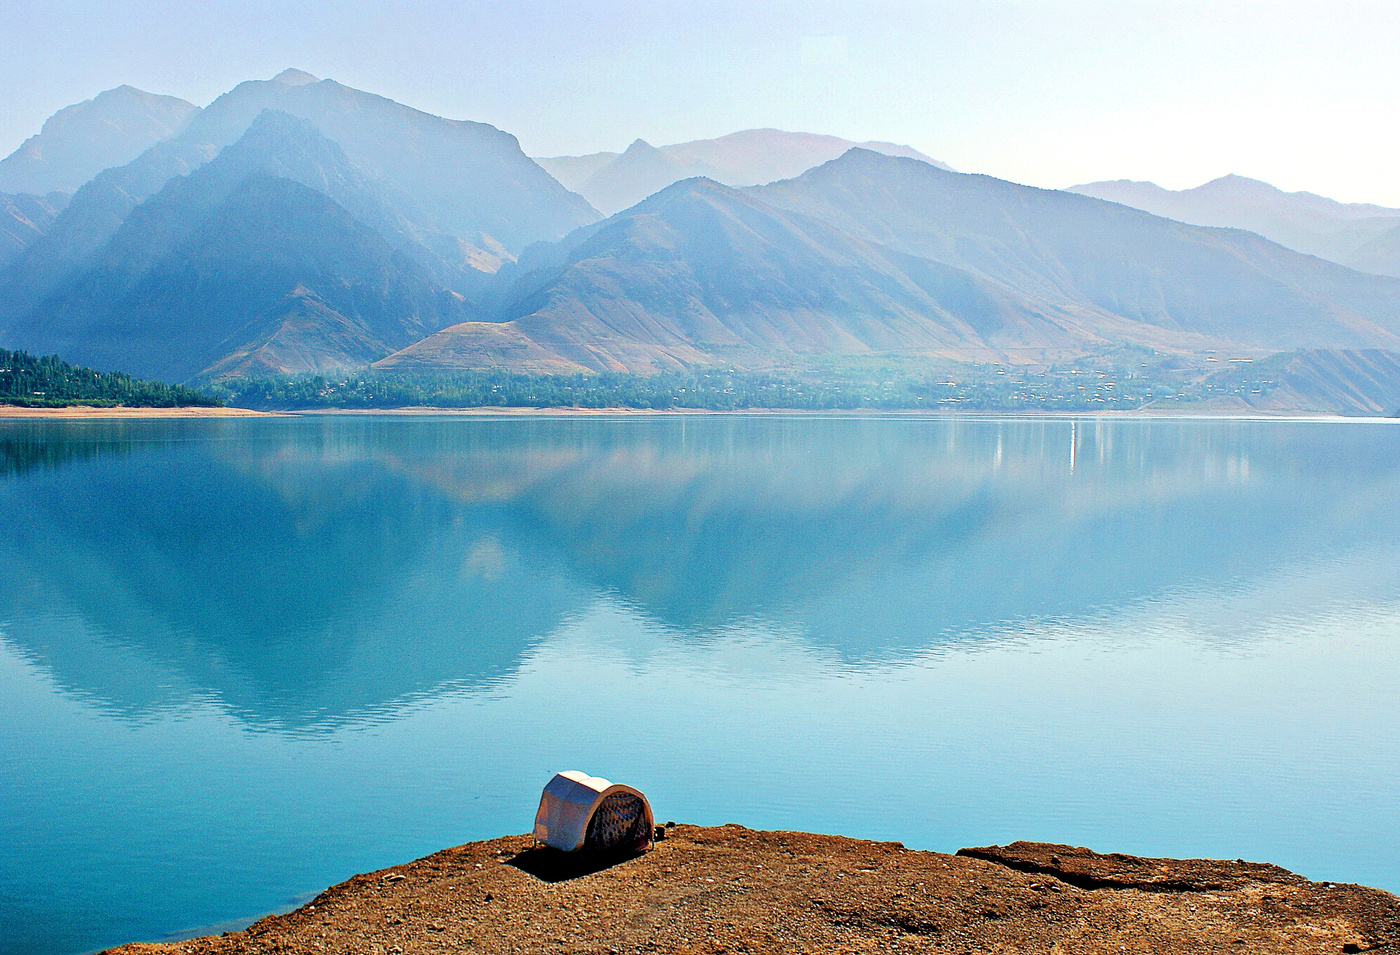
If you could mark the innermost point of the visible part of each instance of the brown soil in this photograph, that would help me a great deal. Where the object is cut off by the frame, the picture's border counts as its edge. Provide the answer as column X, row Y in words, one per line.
column 730, row 889
column 82, row 411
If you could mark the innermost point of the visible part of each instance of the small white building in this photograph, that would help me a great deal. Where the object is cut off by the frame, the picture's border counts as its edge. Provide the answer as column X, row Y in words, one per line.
column 578, row 811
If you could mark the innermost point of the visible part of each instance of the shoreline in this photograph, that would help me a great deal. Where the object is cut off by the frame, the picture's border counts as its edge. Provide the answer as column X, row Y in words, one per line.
column 911, row 413
column 83, row 412
column 79, row 412
column 728, row 889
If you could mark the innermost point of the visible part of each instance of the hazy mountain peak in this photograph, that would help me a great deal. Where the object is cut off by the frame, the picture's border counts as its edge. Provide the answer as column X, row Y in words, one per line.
column 694, row 186
column 1118, row 273
column 1234, row 184
column 701, row 270
column 81, row 140
column 754, row 156
column 453, row 177
column 613, row 182
column 294, row 77
column 641, row 170
column 1302, row 221
column 859, row 160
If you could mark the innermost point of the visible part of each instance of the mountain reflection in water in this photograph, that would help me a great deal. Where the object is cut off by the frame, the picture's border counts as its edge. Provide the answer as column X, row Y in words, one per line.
column 243, row 659
column 306, row 571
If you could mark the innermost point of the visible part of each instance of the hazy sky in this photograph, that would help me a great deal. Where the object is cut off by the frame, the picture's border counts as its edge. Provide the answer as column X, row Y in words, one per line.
column 1303, row 94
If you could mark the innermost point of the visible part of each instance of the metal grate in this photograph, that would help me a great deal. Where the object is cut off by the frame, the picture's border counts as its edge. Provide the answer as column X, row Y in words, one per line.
column 618, row 823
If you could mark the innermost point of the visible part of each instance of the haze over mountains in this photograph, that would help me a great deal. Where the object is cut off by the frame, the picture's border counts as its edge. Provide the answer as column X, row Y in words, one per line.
column 613, row 182
column 279, row 255
column 1362, row 236
column 24, row 218
column 876, row 254
column 297, row 225
column 701, row 273
column 79, row 141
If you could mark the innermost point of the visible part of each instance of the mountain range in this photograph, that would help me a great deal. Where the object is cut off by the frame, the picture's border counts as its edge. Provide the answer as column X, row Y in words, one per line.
column 1362, row 236
column 307, row 262
column 872, row 254
column 299, row 225
column 79, row 141
column 613, row 182
column 702, row 273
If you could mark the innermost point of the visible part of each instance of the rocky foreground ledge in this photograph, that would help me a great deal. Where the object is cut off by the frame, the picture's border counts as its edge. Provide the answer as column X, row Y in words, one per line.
column 730, row 889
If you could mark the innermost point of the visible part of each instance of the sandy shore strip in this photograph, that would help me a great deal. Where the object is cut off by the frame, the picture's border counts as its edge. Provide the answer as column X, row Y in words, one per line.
column 922, row 413
column 727, row 889
column 81, row 411
column 77, row 412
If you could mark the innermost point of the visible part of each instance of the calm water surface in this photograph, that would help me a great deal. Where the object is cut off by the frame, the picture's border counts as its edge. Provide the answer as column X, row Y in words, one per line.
column 242, row 660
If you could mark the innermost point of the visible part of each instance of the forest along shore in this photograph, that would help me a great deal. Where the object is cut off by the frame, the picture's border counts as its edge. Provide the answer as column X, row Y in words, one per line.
column 731, row 889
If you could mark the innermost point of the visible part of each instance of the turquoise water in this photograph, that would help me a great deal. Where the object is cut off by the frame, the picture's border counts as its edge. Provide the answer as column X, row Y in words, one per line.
column 243, row 659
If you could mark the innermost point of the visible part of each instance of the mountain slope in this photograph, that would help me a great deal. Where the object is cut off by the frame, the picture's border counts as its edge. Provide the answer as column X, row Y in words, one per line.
column 1300, row 221
column 466, row 180
column 272, row 260
column 573, row 171
column 301, row 332
column 1129, row 275
column 1327, row 380
column 279, row 145
column 701, row 273
column 79, row 141
column 640, row 171
column 1380, row 256
column 24, row 219
column 613, row 182
column 755, row 156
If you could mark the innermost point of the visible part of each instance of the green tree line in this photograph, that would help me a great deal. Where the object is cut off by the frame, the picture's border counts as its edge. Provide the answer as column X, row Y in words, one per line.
column 50, row 382
column 713, row 390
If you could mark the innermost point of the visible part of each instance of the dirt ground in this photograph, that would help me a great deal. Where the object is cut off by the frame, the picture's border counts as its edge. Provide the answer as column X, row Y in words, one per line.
column 76, row 412
column 730, row 889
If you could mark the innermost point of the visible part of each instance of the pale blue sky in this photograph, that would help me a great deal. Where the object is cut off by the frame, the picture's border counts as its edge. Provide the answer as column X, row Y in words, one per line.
column 1303, row 94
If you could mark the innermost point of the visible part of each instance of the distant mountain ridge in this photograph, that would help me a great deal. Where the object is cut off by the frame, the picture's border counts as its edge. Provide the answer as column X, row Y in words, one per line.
column 641, row 171
column 871, row 254
column 613, row 182
column 278, row 247
column 466, row 181
column 1380, row 256
column 1126, row 275
column 80, row 141
column 1353, row 234
column 297, row 225
column 700, row 273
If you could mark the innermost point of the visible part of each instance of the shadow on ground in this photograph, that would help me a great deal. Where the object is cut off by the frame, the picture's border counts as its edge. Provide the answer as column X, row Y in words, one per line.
column 551, row 865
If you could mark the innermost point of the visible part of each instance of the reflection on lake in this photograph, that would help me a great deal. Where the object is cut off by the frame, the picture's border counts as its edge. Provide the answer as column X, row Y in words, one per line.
column 243, row 659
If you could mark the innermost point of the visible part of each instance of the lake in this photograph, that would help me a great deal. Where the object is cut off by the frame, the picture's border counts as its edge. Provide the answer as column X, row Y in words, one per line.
column 243, row 659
